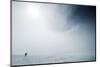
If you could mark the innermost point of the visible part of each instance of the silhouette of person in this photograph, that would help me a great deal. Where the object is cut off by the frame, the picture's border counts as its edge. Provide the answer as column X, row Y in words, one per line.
column 26, row 54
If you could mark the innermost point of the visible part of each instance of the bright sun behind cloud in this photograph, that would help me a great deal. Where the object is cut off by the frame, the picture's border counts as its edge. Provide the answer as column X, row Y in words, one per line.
column 33, row 11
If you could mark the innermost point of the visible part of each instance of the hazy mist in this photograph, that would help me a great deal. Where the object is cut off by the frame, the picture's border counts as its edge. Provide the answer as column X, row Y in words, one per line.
column 52, row 29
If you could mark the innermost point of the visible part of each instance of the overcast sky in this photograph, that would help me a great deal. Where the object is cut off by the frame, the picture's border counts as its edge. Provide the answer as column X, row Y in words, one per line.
column 52, row 29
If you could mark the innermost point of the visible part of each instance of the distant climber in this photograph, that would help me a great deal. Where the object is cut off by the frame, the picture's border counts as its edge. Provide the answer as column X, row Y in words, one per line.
column 26, row 54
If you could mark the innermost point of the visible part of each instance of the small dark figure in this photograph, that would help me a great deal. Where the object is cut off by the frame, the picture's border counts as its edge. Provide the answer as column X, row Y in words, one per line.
column 25, row 54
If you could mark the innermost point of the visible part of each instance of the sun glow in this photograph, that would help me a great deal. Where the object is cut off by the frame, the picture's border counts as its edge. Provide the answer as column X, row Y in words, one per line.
column 33, row 11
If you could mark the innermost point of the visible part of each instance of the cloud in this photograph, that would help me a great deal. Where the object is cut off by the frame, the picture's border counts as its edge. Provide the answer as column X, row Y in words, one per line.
column 50, row 33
